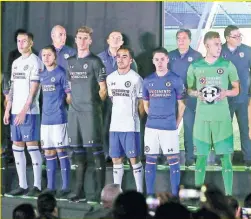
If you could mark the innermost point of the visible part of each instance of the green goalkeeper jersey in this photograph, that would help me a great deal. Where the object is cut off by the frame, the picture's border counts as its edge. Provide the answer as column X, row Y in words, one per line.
column 210, row 79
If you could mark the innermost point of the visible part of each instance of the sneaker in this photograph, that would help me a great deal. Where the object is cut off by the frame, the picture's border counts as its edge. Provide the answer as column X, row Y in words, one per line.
column 34, row 192
column 18, row 192
column 49, row 191
column 248, row 163
column 75, row 198
column 63, row 193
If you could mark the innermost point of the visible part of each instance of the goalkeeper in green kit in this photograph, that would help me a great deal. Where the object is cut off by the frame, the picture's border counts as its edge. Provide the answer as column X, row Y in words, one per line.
column 208, row 79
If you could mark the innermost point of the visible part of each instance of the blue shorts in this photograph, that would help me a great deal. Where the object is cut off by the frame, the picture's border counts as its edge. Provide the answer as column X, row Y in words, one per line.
column 124, row 144
column 28, row 131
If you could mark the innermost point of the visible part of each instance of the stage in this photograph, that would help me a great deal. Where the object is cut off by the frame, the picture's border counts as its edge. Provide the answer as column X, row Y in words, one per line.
column 241, row 185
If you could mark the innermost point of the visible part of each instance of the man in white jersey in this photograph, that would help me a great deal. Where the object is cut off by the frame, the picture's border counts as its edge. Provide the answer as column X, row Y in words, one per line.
column 125, row 90
column 24, row 118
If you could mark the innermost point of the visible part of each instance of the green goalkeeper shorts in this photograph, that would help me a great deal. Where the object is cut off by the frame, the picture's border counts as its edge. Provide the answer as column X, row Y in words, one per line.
column 218, row 134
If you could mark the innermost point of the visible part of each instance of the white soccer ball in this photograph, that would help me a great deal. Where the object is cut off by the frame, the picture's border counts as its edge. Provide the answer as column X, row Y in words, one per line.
column 210, row 93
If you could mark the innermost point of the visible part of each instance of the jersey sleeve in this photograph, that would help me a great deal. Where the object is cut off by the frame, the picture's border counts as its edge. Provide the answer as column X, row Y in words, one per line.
column 67, row 68
column 145, row 92
column 99, row 70
column 180, row 89
column 139, row 86
column 36, row 69
column 65, row 83
column 190, row 77
column 233, row 75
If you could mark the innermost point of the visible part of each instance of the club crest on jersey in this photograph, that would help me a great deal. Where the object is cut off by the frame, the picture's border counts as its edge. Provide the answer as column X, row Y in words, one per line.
column 220, row 71
column 190, row 59
column 127, row 83
column 85, row 66
column 203, row 80
column 66, row 56
column 147, row 148
column 53, row 79
column 168, row 83
column 241, row 54
column 26, row 67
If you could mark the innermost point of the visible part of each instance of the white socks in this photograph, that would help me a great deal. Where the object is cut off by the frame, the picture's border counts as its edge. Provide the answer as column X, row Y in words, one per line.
column 20, row 161
column 118, row 172
column 138, row 176
column 37, row 164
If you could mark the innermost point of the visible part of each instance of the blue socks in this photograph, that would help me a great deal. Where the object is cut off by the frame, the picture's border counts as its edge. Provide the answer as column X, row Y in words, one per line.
column 65, row 169
column 174, row 165
column 150, row 174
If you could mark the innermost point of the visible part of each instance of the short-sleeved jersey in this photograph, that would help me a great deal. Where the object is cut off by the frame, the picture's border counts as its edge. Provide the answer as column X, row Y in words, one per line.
column 241, row 58
column 24, row 72
column 54, row 87
column 84, row 75
column 162, row 94
column 62, row 55
column 210, row 79
column 125, row 90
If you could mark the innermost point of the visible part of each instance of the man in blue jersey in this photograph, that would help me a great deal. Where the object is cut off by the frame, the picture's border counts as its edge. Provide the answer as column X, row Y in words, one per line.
column 180, row 59
column 54, row 137
column 240, row 55
column 58, row 36
column 161, row 91
column 108, row 57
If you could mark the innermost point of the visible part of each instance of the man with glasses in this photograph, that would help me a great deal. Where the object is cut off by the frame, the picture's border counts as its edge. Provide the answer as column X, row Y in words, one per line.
column 240, row 55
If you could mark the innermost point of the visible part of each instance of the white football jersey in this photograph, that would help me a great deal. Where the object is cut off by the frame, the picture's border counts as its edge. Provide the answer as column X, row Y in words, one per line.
column 125, row 90
column 24, row 71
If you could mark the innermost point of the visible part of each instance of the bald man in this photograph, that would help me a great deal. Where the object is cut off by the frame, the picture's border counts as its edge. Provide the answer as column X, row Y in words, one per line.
column 58, row 36
column 108, row 57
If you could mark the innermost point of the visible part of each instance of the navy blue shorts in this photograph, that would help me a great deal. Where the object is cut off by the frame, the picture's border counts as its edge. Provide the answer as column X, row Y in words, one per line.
column 28, row 131
column 124, row 144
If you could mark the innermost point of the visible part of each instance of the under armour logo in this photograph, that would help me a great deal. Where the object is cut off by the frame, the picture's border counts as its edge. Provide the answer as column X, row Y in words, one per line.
column 35, row 164
column 116, row 172
column 137, row 171
column 60, row 143
column 170, row 150
column 17, row 163
column 64, row 169
column 26, row 136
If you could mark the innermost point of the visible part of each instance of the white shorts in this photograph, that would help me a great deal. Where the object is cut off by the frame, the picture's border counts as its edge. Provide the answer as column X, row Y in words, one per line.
column 166, row 140
column 54, row 136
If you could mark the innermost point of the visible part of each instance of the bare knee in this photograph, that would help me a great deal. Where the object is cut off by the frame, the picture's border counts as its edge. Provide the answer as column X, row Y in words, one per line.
column 19, row 143
column 50, row 152
column 117, row 160
column 32, row 143
column 60, row 150
column 134, row 160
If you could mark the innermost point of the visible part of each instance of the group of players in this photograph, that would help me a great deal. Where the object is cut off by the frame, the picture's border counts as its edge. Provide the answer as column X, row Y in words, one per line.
column 184, row 85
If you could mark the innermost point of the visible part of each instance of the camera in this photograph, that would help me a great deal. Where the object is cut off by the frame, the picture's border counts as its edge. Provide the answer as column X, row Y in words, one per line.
column 245, row 213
